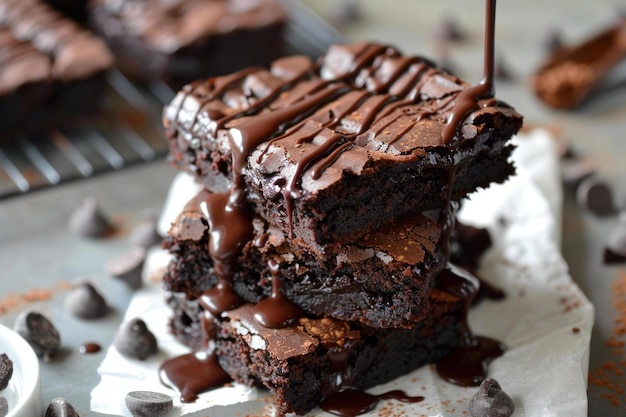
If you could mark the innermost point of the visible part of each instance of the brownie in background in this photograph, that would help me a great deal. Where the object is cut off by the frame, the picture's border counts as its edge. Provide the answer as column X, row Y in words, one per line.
column 52, row 70
column 180, row 41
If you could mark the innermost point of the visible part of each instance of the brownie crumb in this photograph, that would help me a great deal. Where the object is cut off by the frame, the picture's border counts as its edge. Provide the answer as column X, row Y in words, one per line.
column 6, row 371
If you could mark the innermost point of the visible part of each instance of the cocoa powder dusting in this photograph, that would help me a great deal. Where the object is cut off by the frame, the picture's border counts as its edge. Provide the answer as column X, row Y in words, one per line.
column 610, row 375
column 15, row 301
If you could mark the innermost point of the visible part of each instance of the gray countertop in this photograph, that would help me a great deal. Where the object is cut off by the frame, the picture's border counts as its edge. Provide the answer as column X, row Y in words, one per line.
column 38, row 255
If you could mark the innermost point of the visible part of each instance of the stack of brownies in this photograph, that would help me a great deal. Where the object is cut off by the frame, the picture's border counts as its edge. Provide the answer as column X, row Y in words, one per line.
column 316, row 257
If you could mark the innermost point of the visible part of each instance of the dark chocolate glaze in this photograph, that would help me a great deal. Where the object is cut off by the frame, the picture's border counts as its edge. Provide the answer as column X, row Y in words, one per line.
column 276, row 311
column 191, row 375
column 466, row 365
column 353, row 402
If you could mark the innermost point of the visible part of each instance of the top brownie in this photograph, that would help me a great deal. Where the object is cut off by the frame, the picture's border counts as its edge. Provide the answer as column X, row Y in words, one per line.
column 332, row 150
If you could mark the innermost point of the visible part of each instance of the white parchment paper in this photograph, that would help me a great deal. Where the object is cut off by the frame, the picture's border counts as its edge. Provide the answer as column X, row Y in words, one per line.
column 545, row 320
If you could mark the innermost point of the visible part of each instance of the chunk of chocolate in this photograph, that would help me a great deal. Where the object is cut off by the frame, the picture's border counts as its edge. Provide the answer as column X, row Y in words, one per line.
column 6, row 371
column 128, row 266
column 89, row 221
column 575, row 170
column 60, row 407
column 85, row 301
column 134, row 340
column 615, row 249
column 596, row 196
column 148, row 403
column 491, row 401
column 553, row 41
column 145, row 234
column 37, row 330
column 4, row 406
column 449, row 30
column 502, row 71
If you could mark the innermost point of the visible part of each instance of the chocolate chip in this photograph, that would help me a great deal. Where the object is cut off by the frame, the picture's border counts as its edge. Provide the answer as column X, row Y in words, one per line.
column 615, row 249
column 491, row 401
column 88, row 221
column 145, row 234
column 596, row 196
column 60, row 407
column 553, row 41
column 135, row 340
column 574, row 171
column 502, row 70
column 128, row 266
column 6, row 371
column 39, row 332
column 148, row 403
column 449, row 30
column 4, row 406
column 85, row 301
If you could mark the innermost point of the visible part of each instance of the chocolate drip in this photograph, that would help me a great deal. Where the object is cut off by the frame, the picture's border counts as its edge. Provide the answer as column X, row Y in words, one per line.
column 467, row 101
column 230, row 227
column 191, row 375
column 276, row 311
column 466, row 365
column 89, row 348
column 352, row 402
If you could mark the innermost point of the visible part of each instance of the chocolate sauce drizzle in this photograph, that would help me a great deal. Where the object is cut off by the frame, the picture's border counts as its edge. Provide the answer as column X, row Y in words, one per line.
column 466, row 365
column 353, row 402
column 467, row 101
column 276, row 311
column 191, row 375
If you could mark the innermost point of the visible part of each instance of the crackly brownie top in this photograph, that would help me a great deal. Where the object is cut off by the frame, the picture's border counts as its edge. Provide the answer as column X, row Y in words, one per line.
column 39, row 44
column 312, row 121
column 168, row 25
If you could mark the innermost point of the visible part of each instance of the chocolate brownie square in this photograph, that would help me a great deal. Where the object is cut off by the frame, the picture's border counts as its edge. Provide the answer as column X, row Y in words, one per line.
column 179, row 41
column 52, row 70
